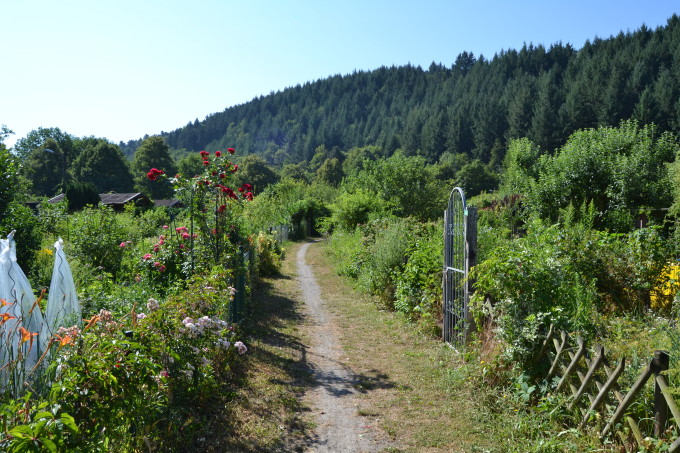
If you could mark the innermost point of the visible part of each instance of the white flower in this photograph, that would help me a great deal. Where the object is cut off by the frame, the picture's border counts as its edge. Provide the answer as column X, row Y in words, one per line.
column 152, row 304
column 224, row 343
column 240, row 347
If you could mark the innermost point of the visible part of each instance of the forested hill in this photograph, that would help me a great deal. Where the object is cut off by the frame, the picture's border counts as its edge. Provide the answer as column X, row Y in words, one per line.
column 473, row 106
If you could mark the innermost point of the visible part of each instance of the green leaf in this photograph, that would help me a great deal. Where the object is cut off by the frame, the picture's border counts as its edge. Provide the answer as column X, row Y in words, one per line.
column 21, row 431
column 43, row 414
column 51, row 446
column 69, row 422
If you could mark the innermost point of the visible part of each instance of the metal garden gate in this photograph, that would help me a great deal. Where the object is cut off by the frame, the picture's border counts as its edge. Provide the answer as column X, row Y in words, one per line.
column 460, row 250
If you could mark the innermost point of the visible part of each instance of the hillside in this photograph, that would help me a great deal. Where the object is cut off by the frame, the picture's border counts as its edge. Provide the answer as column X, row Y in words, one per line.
column 474, row 107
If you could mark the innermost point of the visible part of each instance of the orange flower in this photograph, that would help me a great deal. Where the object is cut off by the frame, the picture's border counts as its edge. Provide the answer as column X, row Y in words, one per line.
column 91, row 322
column 4, row 303
column 6, row 317
column 63, row 341
column 26, row 335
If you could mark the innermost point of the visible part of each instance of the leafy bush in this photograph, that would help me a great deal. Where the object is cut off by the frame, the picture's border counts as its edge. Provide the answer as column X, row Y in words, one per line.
column 355, row 208
column 95, row 238
column 533, row 283
column 386, row 243
column 31, row 426
column 418, row 287
column 28, row 236
column 568, row 274
column 348, row 251
column 269, row 255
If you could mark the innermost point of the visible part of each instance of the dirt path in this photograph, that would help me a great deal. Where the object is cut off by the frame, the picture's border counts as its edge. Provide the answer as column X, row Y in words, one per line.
column 334, row 399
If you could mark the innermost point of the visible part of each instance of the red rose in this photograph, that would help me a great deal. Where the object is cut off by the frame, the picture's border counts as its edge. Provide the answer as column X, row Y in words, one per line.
column 218, row 153
column 231, row 150
column 154, row 173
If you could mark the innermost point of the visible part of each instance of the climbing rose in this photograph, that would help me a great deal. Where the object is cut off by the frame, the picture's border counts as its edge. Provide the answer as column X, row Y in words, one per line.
column 204, row 154
column 231, row 150
column 154, row 173
column 218, row 153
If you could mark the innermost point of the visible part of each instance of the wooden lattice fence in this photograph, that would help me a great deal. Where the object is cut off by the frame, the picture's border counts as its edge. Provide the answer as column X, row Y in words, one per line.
column 587, row 374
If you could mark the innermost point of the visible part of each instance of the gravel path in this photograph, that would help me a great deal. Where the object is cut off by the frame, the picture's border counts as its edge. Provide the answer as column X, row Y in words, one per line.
column 333, row 399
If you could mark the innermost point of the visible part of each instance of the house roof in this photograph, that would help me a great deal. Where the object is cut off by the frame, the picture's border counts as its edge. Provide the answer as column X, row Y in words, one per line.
column 121, row 198
column 168, row 203
column 111, row 198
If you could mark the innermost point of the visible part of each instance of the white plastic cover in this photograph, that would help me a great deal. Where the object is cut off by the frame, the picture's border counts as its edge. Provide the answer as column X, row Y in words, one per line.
column 19, row 310
column 63, row 308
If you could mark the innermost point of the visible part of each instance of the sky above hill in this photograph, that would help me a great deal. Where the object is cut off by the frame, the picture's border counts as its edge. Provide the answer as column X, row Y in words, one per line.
column 125, row 68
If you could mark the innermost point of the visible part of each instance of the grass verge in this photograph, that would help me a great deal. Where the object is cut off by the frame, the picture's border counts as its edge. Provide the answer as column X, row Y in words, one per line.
column 267, row 413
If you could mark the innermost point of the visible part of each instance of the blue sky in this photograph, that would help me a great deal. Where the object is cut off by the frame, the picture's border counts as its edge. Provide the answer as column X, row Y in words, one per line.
column 124, row 68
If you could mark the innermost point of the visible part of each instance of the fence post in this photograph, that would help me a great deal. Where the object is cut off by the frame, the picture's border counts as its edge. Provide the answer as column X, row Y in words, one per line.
column 471, row 246
column 659, row 364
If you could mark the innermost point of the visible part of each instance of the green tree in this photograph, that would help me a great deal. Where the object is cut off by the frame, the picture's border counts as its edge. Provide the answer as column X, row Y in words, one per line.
column 475, row 178
column 45, row 167
column 330, row 172
column 81, row 194
column 356, row 158
column 36, row 140
column 403, row 184
column 9, row 171
column 190, row 165
column 153, row 153
column 298, row 172
column 254, row 170
column 103, row 164
column 620, row 170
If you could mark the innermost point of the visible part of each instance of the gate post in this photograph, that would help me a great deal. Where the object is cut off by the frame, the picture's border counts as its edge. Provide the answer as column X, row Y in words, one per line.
column 470, row 262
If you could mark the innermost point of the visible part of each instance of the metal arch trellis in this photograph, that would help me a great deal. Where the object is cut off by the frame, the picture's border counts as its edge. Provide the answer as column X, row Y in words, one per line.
column 460, row 225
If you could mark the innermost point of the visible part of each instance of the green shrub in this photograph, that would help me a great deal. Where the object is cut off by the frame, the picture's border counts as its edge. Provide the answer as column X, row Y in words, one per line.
column 96, row 235
column 419, row 286
column 348, row 251
column 356, row 208
column 533, row 283
column 269, row 255
column 18, row 217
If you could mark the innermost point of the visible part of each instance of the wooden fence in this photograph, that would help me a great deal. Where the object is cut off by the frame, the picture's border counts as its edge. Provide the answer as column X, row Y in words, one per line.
column 593, row 383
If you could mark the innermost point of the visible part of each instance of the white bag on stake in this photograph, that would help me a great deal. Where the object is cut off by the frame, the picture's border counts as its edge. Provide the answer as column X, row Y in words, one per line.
column 21, row 335
column 63, row 308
